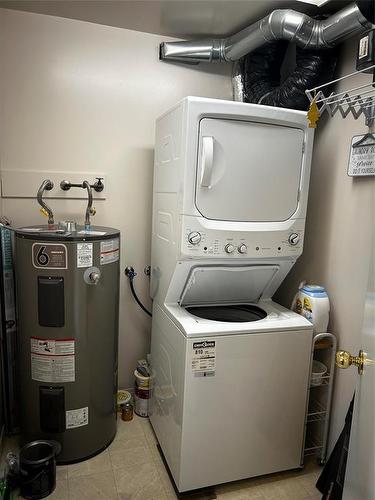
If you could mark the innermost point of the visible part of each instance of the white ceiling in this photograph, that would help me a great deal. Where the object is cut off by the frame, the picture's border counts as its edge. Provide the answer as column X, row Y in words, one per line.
column 180, row 18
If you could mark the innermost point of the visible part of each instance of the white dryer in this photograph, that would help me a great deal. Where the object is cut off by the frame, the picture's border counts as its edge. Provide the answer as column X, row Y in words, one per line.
column 230, row 366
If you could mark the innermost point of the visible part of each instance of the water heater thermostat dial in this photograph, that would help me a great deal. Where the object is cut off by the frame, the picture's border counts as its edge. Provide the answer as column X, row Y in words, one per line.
column 194, row 237
column 293, row 239
column 242, row 248
column 229, row 248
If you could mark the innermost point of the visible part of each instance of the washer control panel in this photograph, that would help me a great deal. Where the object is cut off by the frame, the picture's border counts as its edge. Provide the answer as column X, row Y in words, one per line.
column 200, row 242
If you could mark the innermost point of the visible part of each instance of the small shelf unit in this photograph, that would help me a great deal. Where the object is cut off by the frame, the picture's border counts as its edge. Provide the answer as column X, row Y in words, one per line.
column 320, row 398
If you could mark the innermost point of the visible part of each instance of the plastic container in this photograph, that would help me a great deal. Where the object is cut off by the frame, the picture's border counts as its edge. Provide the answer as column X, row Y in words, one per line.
column 317, row 373
column 123, row 397
column 38, row 469
column 141, row 381
column 312, row 302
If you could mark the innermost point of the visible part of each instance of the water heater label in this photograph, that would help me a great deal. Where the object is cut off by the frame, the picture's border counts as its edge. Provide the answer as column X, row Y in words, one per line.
column 109, row 251
column 52, row 360
column 204, row 356
column 77, row 418
column 49, row 256
column 84, row 254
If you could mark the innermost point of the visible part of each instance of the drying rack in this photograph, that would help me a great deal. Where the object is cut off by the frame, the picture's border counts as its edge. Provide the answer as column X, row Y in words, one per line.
column 356, row 101
column 320, row 399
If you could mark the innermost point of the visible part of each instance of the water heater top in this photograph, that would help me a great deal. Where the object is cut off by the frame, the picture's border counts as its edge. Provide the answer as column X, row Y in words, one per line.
column 81, row 234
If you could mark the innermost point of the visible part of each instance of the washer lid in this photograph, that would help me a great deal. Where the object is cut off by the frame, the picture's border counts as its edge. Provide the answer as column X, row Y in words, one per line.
column 229, row 284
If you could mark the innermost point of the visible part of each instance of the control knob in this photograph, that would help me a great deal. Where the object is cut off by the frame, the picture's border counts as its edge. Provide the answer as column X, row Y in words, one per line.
column 242, row 248
column 229, row 248
column 293, row 239
column 194, row 237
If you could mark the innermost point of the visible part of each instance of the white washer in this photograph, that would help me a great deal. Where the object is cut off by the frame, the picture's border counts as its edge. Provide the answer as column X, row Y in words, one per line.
column 230, row 366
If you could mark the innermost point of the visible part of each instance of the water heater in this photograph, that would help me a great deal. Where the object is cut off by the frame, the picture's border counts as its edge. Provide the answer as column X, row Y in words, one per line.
column 67, row 300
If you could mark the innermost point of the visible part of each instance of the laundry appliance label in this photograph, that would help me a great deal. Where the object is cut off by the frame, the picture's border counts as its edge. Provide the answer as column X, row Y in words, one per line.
column 52, row 360
column 77, row 418
column 203, row 359
column 109, row 251
column 84, row 254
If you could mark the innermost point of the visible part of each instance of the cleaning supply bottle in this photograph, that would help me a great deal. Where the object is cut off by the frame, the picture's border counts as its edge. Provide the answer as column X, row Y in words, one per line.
column 312, row 302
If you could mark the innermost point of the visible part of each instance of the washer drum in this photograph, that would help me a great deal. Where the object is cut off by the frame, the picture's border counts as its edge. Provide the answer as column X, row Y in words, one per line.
column 67, row 301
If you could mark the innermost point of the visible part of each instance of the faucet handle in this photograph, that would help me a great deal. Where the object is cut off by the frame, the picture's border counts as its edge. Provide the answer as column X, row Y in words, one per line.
column 98, row 185
column 49, row 185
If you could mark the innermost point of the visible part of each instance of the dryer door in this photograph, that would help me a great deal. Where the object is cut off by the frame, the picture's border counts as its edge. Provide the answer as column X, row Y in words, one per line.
column 248, row 171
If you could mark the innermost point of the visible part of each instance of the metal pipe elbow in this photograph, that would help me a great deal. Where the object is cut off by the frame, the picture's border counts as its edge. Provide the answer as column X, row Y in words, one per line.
column 281, row 24
column 46, row 185
column 86, row 184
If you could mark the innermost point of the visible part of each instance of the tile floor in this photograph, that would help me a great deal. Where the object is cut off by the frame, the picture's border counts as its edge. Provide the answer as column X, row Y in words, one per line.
column 132, row 469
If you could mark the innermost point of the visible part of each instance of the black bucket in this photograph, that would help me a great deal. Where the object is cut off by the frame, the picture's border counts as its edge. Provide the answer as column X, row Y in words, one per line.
column 38, row 469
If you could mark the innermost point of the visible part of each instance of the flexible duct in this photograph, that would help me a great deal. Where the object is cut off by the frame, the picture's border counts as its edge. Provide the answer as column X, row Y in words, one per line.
column 282, row 24
column 260, row 75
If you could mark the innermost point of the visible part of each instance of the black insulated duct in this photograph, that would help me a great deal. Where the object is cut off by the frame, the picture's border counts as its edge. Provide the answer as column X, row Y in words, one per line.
column 260, row 75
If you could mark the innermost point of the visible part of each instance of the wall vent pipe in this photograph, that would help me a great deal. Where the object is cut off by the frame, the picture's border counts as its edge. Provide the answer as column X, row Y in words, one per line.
column 282, row 24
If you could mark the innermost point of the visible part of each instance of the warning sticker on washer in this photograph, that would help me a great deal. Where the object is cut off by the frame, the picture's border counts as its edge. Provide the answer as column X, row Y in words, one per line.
column 109, row 251
column 52, row 360
column 84, row 254
column 204, row 356
column 77, row 418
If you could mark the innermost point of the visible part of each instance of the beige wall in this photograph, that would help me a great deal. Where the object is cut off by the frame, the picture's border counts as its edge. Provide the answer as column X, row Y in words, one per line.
column 77, row 96
column 338, row 236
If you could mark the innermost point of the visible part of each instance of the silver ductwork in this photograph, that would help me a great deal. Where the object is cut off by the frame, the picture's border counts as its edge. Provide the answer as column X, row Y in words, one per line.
column 282, row 24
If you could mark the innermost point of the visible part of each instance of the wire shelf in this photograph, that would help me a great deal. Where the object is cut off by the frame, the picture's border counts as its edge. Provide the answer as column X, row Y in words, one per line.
column 317, row 412
column 313, row 443
column 356, row 101
column 325, row 381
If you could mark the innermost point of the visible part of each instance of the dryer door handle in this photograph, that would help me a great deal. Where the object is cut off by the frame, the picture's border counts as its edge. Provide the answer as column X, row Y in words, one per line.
column 207, row 160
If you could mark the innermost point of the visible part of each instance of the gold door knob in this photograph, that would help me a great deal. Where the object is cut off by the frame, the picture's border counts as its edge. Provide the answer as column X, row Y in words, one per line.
column 344, row 359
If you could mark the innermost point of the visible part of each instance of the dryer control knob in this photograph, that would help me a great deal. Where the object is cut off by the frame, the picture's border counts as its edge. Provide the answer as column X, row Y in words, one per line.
column 194, row 237
column 242, row 248
column 229, row 248
column 293, row 239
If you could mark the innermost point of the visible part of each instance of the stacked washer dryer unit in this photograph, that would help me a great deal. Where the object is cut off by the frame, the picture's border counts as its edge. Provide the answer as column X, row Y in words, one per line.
column 231, row 367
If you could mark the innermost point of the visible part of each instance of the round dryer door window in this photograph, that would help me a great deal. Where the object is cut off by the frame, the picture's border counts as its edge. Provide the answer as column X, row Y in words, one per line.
column 231, row 313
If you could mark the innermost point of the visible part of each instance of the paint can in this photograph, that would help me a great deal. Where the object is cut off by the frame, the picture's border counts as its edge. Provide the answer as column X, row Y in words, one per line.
column 141, row 394
column 38, row 469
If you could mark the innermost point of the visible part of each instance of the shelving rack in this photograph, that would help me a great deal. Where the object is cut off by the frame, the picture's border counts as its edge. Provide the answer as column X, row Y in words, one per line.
column 320, row 398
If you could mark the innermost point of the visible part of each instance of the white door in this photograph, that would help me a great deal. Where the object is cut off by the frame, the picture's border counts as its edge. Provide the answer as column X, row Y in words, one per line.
column 360, row 474
column 248, row 171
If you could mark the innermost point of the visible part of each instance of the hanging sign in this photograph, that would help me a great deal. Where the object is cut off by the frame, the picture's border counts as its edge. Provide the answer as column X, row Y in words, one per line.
column 362, row 156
